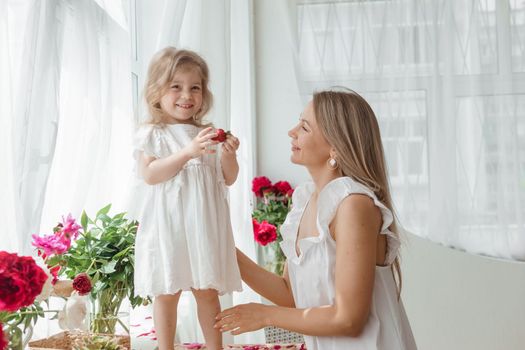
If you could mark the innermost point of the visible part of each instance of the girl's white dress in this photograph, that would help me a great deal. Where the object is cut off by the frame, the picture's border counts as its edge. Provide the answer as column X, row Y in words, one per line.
column 312, row 273
column 184, row 239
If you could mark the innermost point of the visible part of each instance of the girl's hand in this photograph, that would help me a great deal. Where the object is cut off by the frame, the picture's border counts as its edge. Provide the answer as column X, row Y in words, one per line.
column 231, row 145
column 243, row 318
column 201, row 143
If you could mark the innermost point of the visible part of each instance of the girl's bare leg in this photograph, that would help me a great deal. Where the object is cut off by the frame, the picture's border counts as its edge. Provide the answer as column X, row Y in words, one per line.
column 165, row 319
column 208, row 307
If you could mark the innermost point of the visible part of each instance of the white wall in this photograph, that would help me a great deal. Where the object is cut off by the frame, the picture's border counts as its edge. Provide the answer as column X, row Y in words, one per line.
column 278, row 102
column 454, row 300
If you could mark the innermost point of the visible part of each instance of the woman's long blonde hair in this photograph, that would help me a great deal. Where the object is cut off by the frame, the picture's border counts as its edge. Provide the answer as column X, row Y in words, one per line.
column 350, row 126
column 161, row 73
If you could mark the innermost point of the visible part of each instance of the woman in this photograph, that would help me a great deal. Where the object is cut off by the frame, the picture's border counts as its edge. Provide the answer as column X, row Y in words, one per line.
column 340, row 239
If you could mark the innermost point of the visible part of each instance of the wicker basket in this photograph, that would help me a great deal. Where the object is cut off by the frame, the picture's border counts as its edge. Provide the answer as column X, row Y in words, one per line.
column 274, row 335
column 64, row 341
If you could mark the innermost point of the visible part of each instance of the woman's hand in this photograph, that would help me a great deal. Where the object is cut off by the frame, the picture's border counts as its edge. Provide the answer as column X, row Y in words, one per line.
column 243, row 318
column 201, row 143
column 231, row 145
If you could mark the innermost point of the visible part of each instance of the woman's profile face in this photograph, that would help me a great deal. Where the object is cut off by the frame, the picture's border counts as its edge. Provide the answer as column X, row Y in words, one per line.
column 309, row 147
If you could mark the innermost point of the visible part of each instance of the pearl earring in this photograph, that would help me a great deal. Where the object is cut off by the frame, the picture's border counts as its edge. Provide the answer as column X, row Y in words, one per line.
column 332, row 163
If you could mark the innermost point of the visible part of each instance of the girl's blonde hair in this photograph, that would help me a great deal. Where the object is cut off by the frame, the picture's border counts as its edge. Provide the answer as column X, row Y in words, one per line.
column 350, row 126
column 161, row 73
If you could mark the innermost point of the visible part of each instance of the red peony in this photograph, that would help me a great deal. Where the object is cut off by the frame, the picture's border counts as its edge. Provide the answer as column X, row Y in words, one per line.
column 269, row 190
column 255, row 225
column 3, row 338
column 261, row 185
column 289, row 193
column 82, row 284
column 282, row 187
column 266, row 233
column 21, row 281
column 54, row 272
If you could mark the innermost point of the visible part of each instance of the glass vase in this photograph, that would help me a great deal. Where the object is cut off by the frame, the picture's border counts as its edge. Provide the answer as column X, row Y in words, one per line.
column 19, row 339
column 273, row 258
column 105, row 316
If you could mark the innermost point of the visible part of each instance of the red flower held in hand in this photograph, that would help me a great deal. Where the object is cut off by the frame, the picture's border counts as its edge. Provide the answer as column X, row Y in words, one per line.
column 82, row 284
column 282, row 187
column 221, row 135
column 21, row 281
column 260, row 185
column 3, row 338
column 266, row 233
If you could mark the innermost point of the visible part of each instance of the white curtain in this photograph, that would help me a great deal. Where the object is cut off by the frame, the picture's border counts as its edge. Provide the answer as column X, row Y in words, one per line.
column 73, row 70
column 66, row 116
column 222, row 32
column 29, row 61
column 446, row 79
column 91, row 166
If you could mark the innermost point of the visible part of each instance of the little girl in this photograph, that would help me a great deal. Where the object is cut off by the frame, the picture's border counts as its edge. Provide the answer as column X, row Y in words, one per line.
column 184, row 240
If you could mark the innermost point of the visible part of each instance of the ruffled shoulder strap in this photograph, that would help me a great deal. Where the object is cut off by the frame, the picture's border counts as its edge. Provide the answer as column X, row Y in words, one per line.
column 302, row 194
column 333, row 194
column 148, row 139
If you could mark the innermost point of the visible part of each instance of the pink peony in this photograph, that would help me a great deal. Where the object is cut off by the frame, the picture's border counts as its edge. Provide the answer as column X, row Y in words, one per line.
column 60, row 241
column 51, row 244
column 70, row 228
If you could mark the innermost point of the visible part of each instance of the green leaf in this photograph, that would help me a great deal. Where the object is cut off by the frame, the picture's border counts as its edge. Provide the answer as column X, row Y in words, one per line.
column 98, row 287
column 84, row 220
column 109, row 267
column 106, row 220
column 119, row 216
column 104, row 210
column 96, row 277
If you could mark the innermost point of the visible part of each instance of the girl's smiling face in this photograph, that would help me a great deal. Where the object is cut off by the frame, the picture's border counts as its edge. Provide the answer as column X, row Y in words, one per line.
column 183, row 97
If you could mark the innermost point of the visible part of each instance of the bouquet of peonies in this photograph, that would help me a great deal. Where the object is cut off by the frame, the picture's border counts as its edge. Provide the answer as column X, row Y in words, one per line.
column 52, row 249
column 273, row 204
column 22, row 281
column 101, row 264
column 27, row 281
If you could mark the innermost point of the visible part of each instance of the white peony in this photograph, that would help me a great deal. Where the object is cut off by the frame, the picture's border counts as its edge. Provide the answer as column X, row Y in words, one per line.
column 74, row 314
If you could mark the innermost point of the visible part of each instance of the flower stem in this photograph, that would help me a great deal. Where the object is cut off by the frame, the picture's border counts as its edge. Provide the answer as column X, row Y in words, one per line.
column 35, row 313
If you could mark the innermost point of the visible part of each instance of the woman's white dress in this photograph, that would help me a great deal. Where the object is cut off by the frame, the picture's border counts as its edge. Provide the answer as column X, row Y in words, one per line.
column 312, row 273
column 184, row 239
